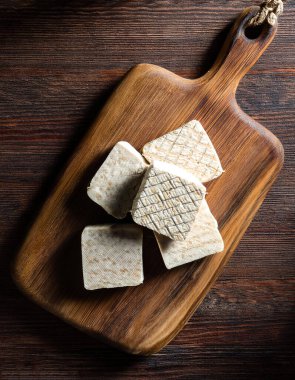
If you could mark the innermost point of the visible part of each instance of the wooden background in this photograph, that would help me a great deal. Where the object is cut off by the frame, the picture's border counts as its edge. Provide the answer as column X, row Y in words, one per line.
column 59, row 61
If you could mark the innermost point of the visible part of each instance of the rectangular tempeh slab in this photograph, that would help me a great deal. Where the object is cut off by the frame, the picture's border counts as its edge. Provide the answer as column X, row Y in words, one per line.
column 188, row 147
column 112, row 256
column 117, row 180
column 168, row 200
column 203, row 239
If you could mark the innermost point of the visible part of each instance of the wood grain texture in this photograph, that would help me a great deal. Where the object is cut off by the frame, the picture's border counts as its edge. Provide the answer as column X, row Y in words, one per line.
column 150, row 102
column 50, row 73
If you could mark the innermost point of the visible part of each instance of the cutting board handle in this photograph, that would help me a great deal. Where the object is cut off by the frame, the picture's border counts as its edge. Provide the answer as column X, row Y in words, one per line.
column 239, row 53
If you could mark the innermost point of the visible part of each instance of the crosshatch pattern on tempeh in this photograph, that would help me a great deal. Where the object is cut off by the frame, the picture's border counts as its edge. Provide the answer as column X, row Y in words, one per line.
column 188, row 147
column 166, row 202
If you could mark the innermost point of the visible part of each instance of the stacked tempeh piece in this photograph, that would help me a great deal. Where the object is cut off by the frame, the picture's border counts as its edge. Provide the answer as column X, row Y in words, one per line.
column 164, row 191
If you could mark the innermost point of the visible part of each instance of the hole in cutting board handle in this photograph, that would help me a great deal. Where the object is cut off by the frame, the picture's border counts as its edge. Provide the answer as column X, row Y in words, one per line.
column 253, row 32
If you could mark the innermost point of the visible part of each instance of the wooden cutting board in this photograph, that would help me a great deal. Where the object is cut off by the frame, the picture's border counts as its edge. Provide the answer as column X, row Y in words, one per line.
column 150, row 102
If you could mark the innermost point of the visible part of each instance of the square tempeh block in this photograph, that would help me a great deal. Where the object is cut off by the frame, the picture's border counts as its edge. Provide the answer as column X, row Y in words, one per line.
column 116, row 182
column 188, row 147
column 112, row 256
column 168, row 200
column 203, row 239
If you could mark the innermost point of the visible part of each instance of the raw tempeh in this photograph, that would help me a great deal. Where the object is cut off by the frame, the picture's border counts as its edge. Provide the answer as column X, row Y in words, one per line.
column 188, row 147
column 112, row 256
column 168, row 200
column 203, row 239
column 116, row 182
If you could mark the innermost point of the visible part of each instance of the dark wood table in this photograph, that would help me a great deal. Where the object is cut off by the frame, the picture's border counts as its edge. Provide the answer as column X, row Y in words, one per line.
column 59, row 62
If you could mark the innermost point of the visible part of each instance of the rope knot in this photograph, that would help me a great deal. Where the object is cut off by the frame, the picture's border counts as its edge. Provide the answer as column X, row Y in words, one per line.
column 268, row 12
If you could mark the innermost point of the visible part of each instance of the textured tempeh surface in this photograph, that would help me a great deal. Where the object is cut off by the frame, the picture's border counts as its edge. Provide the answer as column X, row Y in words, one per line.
column 168, row 200
column 188, row 147
column 112, row 256
column 117, row 180
column 203, row 239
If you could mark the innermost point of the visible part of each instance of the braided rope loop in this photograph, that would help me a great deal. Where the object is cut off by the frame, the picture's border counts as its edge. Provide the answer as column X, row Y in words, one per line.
column 268, row 12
